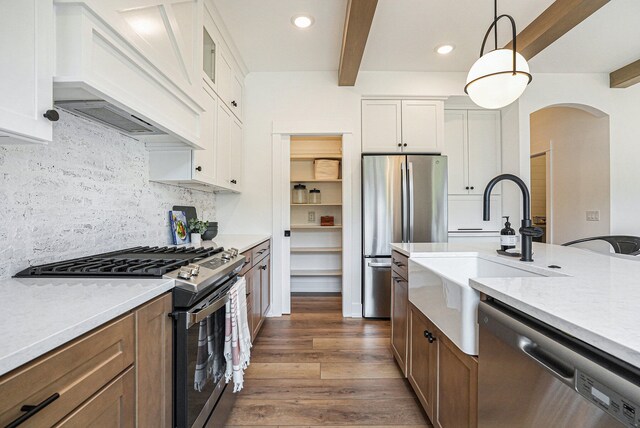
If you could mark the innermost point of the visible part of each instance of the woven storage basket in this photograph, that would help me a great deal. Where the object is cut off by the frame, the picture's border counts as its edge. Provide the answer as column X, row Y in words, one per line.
column 327, row 169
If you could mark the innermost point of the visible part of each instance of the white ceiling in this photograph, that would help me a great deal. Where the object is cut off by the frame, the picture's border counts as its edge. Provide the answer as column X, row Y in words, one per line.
column 405, row 33
column 604, row 42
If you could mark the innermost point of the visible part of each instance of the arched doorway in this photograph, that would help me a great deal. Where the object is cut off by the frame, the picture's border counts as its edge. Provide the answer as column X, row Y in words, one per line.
column 570, row 172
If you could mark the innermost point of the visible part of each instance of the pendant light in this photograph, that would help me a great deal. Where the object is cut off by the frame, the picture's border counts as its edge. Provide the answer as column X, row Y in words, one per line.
column 499, row 77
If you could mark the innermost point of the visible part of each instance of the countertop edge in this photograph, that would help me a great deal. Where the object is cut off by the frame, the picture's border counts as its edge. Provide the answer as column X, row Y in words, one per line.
column 38, row 349
column 613, row 348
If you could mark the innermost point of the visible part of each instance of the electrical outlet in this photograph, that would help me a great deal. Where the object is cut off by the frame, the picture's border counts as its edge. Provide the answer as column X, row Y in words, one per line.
column 312, row 217
column 593, row 215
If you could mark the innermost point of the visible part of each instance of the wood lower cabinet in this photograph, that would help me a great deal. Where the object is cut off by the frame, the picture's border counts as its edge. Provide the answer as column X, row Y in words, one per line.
column 265, row 286
column 257, row 273
column 399, row 310
column 444, row 378
column 423, row 360
column 457, row 404
column 113, row 406
column 154, row 359
column 118, row 375
column 256, row 301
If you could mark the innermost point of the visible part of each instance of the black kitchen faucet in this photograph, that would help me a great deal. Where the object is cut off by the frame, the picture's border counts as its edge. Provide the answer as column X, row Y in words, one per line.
column 527, row 231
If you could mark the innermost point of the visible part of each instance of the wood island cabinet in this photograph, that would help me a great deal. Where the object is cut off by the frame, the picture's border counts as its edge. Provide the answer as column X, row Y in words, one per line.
column 423, row 360
column 444, row 378
column 399, row 309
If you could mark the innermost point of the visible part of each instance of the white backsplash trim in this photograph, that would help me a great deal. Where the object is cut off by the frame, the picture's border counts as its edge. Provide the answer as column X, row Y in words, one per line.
column 85, row 193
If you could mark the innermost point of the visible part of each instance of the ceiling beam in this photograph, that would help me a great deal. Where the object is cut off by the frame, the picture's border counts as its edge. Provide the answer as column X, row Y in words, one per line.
column 625, row 76
column 356, row 30
column 553, row 23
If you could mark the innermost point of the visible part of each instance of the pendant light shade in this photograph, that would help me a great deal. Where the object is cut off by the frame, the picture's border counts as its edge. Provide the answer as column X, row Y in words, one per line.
column 499, row 77
column 492, row 83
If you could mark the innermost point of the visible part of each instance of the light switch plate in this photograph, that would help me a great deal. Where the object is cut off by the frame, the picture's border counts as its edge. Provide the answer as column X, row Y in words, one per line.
column 311, row 217
column 593, row 215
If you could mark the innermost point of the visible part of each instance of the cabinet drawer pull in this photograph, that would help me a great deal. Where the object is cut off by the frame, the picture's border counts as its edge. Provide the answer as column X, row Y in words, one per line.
column 398, row 279
column 263, row 267
column 198, row 168
column 429, row 336
column 260, row 252
column 233, row 181
column 233, row 103
column 32, row 410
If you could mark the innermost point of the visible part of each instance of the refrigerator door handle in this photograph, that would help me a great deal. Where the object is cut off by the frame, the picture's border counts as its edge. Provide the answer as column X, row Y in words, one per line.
column 410, row 203
column 379, row 265
column 405, row 198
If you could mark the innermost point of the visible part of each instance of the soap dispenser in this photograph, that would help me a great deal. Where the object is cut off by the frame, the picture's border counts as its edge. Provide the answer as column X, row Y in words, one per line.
column 507, row 236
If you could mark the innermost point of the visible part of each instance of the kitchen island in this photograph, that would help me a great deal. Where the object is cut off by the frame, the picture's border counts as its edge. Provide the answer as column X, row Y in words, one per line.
column 596, row 299
column 587, row 297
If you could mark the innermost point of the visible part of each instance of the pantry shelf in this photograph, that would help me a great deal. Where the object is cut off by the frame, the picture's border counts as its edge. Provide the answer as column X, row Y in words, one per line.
column 321, row 272
column 316, row 249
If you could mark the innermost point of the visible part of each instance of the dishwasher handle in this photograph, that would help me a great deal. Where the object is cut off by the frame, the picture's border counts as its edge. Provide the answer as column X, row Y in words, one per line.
column 533, row 344
column 560, row 369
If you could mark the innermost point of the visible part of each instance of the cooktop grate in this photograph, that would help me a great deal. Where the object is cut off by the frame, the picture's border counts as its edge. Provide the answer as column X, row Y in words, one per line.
column 149, row 262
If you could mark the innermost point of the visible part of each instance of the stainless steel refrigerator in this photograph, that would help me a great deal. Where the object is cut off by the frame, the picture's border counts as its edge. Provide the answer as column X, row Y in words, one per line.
column 404, row 199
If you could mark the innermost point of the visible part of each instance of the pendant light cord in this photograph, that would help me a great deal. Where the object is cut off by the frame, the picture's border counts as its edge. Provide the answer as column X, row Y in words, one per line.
column 495, row 18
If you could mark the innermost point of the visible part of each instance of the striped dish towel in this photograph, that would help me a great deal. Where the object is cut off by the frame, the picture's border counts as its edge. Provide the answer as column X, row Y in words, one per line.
column 209, row 359
column 237, row 341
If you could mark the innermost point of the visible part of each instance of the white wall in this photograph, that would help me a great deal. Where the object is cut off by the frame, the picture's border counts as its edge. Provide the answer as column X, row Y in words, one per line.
column 85, row 193
column 296, row 96
column 623, row 108
column 579, row 144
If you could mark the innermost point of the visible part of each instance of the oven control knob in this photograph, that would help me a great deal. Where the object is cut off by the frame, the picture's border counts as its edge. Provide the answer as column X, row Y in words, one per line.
column 234, row 252
column 184, row 274
column 195, row 270
column 226, row 256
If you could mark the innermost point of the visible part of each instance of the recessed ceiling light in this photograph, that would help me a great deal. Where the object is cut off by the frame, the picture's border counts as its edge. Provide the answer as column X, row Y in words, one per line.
column 302, row 21
column 445, row 49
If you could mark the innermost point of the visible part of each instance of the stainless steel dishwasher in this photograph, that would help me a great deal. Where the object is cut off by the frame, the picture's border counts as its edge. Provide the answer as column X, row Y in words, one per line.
column 532, row 375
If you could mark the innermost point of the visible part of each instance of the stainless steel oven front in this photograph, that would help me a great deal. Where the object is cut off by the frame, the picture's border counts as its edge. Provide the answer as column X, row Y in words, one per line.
column 200, row 364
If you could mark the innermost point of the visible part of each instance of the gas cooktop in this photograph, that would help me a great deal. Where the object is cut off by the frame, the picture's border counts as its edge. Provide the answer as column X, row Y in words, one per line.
column 137, row 262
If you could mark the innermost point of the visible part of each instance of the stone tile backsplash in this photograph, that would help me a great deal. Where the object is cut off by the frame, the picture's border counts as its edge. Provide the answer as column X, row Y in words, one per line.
column 87, row 192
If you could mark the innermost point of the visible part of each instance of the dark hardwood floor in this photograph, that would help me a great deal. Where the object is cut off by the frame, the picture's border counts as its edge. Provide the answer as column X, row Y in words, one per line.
column 314, row 368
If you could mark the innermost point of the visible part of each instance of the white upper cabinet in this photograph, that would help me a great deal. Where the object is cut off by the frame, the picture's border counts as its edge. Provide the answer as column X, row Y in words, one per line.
column 410, row 126
column 229, row 84
column 473, row 147
column 210, row 47
column 484, row 149
column 455, row 128
column 381, row 126
column 26, row 70
column 235, row 157
column 204, row 161
column 422, row 126
column 223, row 147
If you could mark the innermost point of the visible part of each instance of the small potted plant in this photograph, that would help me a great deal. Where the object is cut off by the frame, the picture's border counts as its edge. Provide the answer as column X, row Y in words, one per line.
column 197, row 228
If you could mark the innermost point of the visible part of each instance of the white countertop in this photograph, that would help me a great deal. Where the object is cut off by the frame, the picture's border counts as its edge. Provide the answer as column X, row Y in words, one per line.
column 38, row 315
column 240, row 242
column 597, row 302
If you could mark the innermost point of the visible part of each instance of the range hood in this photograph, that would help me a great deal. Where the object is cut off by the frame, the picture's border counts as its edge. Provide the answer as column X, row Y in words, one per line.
column 110, row 75
column 110, row 115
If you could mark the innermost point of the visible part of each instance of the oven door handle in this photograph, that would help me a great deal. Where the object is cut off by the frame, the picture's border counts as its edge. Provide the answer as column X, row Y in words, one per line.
column 197, row 316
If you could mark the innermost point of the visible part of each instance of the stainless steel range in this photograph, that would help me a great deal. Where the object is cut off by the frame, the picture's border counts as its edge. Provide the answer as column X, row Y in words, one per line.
column 203, row 278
